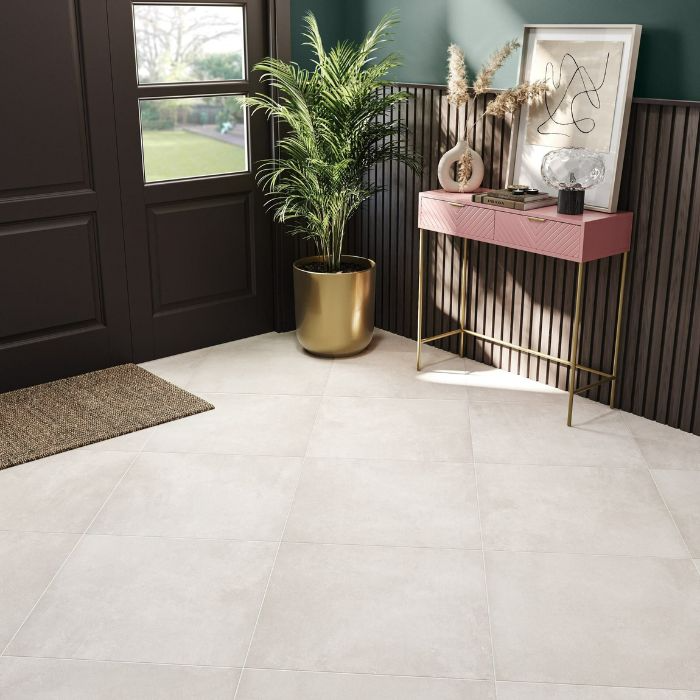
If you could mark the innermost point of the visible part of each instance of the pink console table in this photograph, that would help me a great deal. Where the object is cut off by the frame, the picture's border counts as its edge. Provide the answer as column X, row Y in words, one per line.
column 581, row 239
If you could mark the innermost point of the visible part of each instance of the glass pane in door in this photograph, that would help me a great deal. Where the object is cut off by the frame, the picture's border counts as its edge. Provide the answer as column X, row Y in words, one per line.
column 189, row 137
column 189, row 43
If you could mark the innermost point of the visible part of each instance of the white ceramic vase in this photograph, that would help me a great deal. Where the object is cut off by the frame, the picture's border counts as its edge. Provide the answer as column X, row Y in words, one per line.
column 446, row 165
column 453, row 156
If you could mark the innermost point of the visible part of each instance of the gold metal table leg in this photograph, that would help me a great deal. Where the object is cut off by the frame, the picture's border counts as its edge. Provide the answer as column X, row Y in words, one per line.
column 463, row 296
column 420, row 299
column 573, row 362
column 618, row 330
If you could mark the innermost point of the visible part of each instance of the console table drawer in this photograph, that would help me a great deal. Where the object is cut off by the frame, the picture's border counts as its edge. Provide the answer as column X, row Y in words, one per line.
column 456, row 219
column 539, row 235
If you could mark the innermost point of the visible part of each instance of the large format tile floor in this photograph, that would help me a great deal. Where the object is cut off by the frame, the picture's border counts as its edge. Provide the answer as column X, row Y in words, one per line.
column 350, row 530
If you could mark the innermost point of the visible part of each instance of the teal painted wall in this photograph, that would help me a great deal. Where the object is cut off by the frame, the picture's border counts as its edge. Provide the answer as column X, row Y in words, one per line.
column 669, row 59
column 335, row 20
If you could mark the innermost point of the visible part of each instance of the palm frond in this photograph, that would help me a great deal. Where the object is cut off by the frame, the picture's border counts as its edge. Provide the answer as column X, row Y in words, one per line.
column 339, row 120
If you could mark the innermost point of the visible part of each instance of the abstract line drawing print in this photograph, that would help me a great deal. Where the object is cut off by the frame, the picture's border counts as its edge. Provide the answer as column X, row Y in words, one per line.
column 579, row 109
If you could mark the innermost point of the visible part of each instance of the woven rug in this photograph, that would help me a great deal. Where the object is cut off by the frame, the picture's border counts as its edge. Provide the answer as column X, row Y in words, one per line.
column 50, row 418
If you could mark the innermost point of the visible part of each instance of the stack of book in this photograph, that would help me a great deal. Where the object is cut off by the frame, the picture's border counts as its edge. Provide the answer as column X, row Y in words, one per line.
column 506, row 198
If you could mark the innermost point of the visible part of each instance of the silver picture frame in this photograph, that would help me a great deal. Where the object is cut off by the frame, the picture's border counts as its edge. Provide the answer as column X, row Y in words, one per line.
column 525, row 157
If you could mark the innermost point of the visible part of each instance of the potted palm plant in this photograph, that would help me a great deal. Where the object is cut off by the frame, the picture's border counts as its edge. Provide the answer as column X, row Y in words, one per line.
column 337, row 123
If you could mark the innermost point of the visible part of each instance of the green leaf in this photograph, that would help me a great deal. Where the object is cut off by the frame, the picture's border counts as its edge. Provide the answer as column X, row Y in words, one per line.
column 338, row 120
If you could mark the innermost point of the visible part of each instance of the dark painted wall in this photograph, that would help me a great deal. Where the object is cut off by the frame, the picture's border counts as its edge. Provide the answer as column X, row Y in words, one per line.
column 669, row 61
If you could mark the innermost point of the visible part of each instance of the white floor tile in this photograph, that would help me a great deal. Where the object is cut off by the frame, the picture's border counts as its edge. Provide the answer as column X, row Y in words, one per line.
column 394, row 611
column 250, row 370
column 62, row 493
column 411, row 429
column 262, row 425
column 297, row 685
column 665, row 447
column 584, row 510
column 53, row 679
column 492, row 385
column 375, row 502
column 151, row 600
column 177, row 369
column 131, row 442
column 524, row 434
column 393, row 375
column 681, row 491
column 379, row 590
column 595, row 620
column 263, row 342
column 28, row 562
column 211, row 496
column 384, row 341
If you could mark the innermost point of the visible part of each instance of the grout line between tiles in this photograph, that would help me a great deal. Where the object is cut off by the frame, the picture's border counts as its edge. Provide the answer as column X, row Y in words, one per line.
column 319, row 543
column 75, row 546
column 668, row 510
column 329, row 396
column 279, row 545
column 239, row 668
column 529, row 465
column 483, row 562
column 599, row 685
column 470, row 679
column 368, row 673
column 298, row 456
column 583, row 554
column 391, row 459
column 658, row 490
column 80, row 660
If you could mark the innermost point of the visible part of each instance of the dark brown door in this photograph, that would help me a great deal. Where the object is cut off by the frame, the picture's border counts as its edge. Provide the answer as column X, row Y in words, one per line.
column 63, row 294
column 198, row 243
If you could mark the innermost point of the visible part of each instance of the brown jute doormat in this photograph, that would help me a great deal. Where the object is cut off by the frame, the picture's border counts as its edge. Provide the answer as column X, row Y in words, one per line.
column 50, row 418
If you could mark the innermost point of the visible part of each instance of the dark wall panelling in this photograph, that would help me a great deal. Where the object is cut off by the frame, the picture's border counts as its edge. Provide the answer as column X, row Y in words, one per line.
column 528, row 299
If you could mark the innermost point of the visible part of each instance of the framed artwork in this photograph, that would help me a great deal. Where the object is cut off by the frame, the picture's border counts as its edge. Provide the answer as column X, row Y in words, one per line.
column 590, row 71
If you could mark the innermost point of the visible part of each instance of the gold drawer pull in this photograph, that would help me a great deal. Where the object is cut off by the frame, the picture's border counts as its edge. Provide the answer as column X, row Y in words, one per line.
column 537, row 219
column 456, row 204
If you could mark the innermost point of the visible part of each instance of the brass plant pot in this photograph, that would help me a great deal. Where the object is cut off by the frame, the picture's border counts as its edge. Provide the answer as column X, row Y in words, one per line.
column 334, row 311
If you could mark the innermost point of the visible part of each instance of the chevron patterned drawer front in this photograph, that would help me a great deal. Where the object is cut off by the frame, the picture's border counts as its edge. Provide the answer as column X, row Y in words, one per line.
column 539, row 235
column 588, row 236
column 456, row 218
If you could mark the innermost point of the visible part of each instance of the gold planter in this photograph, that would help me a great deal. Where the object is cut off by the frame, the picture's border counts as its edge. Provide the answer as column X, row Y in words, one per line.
column 334, row 311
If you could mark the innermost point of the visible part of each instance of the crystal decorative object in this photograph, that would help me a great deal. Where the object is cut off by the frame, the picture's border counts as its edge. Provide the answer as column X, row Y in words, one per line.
column 573, row 169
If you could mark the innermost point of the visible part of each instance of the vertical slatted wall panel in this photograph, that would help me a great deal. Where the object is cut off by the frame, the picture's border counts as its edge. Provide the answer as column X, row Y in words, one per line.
column 528, row 299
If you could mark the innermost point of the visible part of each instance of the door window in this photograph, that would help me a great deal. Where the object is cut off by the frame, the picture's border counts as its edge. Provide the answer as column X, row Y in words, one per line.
column 181, row 48
column 189, row 43
column 188, row 137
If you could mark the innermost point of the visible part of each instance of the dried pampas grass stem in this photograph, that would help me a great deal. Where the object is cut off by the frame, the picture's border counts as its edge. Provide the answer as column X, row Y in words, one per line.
column 484, row 80
column 459, row 94
column 457, row 88
column 512, row 99
column 464, row 169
